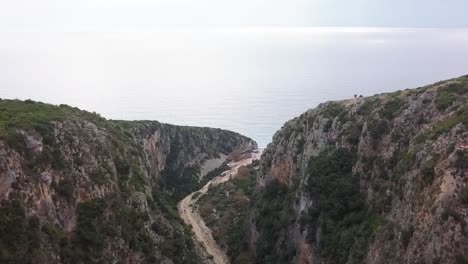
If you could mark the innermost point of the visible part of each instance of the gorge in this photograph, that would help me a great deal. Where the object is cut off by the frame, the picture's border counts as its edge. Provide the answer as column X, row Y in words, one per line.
column 378, row 179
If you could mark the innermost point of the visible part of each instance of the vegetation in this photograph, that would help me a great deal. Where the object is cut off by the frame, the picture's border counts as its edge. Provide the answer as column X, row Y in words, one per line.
column 275, row 214
column 447, row 124
column 427, row 170
column 89, row 241
column 378, row 128
column 180, row 181
column 368, row 106
column 113, row 154
column 458, row 88
column 19, row 235
column 332, row 110
column 345, row 224
column 391, row 108
column 30, row 115
column 444, row 100
column 225, row 209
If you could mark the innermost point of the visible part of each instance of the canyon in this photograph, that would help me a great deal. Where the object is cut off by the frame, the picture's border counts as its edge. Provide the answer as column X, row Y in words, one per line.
column 378, row 179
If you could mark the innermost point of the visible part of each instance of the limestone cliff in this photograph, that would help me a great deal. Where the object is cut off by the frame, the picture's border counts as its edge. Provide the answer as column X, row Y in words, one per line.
column 380, row 179
column 76, row 188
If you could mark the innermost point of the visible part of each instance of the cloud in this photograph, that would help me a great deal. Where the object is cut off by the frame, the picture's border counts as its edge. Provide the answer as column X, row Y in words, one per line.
column 146, row 15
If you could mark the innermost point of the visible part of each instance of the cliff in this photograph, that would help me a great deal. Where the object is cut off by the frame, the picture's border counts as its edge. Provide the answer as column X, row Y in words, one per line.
column 77, row 188
column 380, row 179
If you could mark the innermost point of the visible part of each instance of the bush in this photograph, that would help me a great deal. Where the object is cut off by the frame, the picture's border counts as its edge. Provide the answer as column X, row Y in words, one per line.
column 332, row 110
column 378, row 128
column 405, row 161
column 274, row 216
column 181, row 181
column 347, row 227
column 89, row 239
column 19, row 235
column 122, row 166
column 427, row 170
column 447, row 124
column 368, row 106
column 455, row 87
column 16, row 140
column 391, row 108
column 444, row 100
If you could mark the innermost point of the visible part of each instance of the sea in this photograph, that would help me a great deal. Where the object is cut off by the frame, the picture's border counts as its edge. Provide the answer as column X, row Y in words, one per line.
column 249, row 80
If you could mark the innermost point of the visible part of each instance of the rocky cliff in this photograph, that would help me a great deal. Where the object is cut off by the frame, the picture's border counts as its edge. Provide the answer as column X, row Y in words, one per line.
column 77, row 188
column 380, row 179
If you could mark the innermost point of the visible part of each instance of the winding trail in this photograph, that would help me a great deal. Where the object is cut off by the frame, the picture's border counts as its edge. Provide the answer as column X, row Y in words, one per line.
column 192, row 218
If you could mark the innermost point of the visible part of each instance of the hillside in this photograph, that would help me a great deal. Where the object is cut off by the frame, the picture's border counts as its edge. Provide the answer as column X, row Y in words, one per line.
column 77, row 188
column 380, row 179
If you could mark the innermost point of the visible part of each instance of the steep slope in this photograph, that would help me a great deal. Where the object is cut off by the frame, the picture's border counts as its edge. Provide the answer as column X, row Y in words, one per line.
column 381, row 179
column 76, row 188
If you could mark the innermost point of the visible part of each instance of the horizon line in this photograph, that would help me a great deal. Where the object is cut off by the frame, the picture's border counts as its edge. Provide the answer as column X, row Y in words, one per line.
column 279, row 29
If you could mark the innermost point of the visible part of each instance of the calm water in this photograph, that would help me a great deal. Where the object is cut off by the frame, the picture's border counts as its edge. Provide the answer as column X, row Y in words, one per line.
column 247, row 81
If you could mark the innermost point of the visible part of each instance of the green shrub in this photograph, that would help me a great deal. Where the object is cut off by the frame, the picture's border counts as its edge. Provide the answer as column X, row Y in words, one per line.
column 421, row 138
column 347, row 226
column 427, row 170
column 16, row 140
column 98, row 176
column 332, row 110
column 455, row 87
column 368, row 106
column 446, row 125
column 444, row 100
column 391, row 108
column 378, row 128
column 138, row 179
column 89, row 240
column 30, row 115
column 405, row 162
column 19, row 235
column 274, row 216
column 182, row 181
column 122, row 166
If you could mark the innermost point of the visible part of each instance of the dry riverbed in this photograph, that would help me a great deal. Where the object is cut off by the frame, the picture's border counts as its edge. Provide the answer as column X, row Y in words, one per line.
column 192, row 218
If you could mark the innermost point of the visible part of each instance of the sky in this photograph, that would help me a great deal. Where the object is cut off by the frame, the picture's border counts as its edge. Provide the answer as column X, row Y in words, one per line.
column 196, row 62
column 143, row 15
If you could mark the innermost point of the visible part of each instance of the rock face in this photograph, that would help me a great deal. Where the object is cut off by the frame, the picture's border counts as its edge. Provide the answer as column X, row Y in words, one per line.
column 382, row 179
column 76, row 188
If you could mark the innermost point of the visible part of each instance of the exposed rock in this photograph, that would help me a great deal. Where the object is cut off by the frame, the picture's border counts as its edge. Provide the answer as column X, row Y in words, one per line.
column 6, row 179
column 89, row 190
column 405, row 161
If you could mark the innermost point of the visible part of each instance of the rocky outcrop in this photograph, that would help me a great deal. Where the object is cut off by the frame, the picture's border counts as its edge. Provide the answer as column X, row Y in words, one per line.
column 381, row 179
column 76, row 188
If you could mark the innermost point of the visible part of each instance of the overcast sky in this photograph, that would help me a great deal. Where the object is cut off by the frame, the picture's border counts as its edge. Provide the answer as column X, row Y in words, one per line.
column 117, row 15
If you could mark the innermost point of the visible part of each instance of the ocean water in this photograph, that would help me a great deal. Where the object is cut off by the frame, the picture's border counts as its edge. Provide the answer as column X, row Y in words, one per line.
column 249, row 81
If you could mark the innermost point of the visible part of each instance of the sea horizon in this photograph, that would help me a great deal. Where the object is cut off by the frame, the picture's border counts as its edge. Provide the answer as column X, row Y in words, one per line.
column 248, row 80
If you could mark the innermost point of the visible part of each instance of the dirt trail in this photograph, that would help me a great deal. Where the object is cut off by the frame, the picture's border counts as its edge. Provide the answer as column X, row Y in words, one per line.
column 192, row 217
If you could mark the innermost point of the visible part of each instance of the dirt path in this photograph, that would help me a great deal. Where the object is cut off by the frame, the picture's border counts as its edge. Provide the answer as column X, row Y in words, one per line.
column 192, row 217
